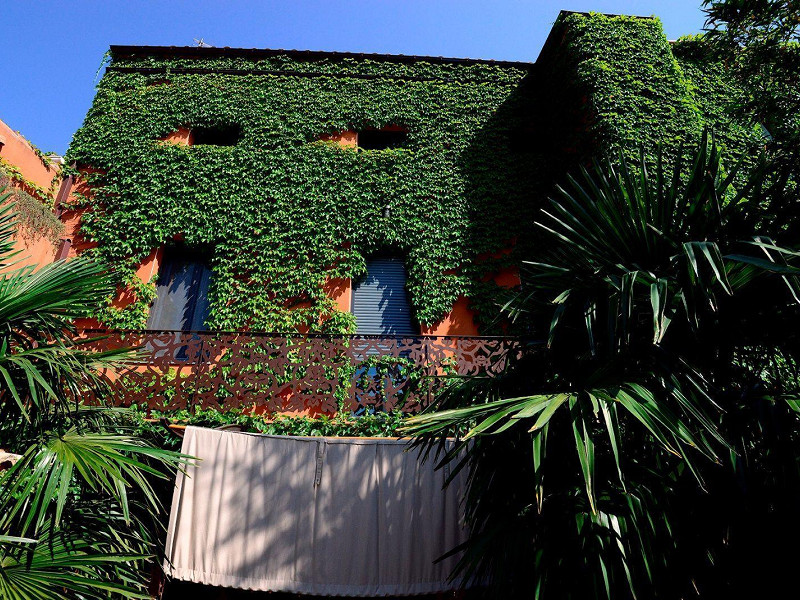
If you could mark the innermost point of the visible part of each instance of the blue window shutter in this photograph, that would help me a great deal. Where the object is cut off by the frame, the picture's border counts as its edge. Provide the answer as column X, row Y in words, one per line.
column 181, row 294
column 380, row 300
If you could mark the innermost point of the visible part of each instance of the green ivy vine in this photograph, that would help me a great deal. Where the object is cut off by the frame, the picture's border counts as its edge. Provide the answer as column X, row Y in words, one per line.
column 146, row 423
column 139, row 296
column 34, row 212
column 629, row 87
column 285, row 212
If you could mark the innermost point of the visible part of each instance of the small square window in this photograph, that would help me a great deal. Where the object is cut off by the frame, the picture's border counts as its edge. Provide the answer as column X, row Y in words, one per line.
column 222, row 135
column 381, row 139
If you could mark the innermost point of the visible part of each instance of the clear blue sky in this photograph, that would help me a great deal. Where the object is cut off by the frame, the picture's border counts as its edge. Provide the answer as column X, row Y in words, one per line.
column 52, row 50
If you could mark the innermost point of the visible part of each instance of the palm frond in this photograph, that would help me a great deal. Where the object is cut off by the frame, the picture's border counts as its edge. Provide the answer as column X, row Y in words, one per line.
column 80, row 510
column 40, row 482
column 643, row 286
column 63, row 566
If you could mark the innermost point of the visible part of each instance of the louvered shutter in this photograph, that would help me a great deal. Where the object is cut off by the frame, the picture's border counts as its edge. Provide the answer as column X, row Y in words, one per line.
column 380, row 300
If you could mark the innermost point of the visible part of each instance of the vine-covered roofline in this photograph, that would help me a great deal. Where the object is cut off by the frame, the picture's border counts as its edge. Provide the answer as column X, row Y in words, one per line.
column 199, row 52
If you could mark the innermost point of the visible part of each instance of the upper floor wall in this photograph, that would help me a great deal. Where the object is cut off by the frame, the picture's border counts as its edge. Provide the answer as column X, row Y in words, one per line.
column 278, row 167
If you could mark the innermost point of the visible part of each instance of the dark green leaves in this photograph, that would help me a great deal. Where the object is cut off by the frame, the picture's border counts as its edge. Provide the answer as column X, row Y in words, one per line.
column 646, row 285
column 78, row 510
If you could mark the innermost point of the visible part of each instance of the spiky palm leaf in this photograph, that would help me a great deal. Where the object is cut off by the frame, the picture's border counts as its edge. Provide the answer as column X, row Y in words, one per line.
column 63, row 566
column 646, row 282
column 78, row 511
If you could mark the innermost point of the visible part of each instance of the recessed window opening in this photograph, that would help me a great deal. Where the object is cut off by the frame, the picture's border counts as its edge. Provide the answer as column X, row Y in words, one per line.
column 380, row 300
column 219, row 135
column 181, row 291
column 63, row 249
column 382, row 139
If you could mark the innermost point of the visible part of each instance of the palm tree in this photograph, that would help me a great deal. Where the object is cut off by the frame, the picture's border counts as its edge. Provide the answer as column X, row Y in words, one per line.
column 78, row 510
column 613, row 458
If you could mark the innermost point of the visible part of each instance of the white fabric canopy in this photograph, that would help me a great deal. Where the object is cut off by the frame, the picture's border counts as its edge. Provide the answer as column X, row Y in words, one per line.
column 322, row 516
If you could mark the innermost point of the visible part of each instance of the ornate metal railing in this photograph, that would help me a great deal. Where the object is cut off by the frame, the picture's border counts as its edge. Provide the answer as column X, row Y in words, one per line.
column 311, row 373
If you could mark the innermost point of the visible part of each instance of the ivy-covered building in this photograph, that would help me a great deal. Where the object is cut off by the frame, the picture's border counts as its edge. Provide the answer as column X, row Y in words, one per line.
column 284, row 173
column 356, row 207
column 340, row 193
column 274, row 180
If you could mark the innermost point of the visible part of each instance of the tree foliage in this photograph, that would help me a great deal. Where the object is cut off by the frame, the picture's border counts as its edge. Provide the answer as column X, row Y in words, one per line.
column 759, row 43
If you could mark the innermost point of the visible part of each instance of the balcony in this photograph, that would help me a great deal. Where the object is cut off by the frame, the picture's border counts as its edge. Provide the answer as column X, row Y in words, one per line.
column 312, row 374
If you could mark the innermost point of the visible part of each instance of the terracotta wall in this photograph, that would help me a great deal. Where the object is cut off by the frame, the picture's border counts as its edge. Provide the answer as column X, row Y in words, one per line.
column 181, row 137
column 34, row 249
column 346, row 139
column 16, row 150
column 459, row 321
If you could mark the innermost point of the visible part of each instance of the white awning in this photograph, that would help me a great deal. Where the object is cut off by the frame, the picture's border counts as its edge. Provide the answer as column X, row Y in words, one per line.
column 320, row 516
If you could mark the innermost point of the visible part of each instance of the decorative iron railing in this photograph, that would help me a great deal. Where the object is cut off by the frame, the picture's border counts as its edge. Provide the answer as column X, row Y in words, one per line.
column 310, row 373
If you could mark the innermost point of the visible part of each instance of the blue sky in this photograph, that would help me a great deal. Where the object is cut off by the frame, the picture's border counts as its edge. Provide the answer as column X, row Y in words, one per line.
column 52, row 51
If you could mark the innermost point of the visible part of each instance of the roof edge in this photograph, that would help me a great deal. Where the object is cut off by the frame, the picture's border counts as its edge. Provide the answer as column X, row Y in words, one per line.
column 303, row 55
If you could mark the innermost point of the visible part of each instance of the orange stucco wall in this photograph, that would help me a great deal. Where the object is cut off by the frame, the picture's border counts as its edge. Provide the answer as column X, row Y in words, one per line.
column 346, row 139
column 181, row 137
column 146, row 271
column 15, row 151
column 34, row 250
column 340, row 290
column 72, row 218
column 459, row 321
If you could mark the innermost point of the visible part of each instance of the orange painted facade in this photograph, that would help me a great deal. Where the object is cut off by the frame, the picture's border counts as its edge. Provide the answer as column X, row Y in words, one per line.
column 346, row 139
column 459, row 321
column 340, row 290
column 34, row 249
column 17, row 154
column 181, row 137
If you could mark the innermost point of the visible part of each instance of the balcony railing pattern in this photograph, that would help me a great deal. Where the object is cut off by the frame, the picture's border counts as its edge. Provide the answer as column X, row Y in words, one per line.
column 317, row 374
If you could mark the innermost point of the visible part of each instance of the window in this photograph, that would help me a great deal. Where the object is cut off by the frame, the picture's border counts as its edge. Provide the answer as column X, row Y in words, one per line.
column 382, row 139
column 181, row 291
column 380, row 301
column 221, row 135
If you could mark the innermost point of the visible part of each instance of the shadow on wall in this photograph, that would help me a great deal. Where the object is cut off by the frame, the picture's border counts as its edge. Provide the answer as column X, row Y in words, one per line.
column 511, row 167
